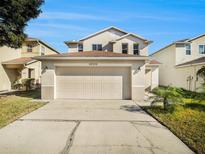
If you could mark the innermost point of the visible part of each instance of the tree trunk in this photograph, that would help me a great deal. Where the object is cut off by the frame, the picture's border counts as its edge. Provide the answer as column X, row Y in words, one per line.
column 166, row 103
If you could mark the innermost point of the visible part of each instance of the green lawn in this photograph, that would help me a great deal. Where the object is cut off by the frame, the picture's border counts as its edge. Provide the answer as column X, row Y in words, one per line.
column 186, row 120
column 16, row 105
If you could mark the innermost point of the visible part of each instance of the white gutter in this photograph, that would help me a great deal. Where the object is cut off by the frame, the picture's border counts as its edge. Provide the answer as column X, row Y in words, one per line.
column 91, row 58
column 190, row 65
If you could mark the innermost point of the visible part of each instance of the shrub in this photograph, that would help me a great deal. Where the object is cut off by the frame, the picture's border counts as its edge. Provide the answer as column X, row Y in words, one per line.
column 17, row 84
column 21, row 83
column 28, row 83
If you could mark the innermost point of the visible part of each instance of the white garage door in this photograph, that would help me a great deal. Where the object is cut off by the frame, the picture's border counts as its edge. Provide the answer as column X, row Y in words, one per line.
column 93, row 82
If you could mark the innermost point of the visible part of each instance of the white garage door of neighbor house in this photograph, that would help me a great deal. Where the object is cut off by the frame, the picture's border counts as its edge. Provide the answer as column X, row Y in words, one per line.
column 93, row 82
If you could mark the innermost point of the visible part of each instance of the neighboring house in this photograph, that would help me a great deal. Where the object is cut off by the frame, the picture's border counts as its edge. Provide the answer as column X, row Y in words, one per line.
column 109, row 64
column 180, row 62
column 18, row 63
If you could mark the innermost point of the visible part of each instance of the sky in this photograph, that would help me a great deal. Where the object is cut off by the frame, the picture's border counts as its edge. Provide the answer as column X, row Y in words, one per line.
column 162, row 21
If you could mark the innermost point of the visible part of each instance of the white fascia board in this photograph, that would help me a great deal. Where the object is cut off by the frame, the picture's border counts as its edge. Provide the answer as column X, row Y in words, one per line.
column 190, row 65
column 91, row 58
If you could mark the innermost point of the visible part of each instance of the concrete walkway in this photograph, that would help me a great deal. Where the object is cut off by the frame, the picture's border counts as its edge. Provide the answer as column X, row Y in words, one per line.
column 89, row 127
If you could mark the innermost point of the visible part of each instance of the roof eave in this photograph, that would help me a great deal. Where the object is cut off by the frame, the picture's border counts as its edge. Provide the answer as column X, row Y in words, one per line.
column 187, row 65
column 90, row 58
column 72, row 42
column 19, row 63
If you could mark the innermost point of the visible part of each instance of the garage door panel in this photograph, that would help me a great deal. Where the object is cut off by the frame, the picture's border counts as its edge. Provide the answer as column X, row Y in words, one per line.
column 93, row 83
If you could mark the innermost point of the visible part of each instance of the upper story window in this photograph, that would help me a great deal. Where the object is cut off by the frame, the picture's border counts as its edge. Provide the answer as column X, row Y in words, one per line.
column 43, row 50
column 188, row 49
column 29, row 48
column 97, row 47
column 80, row 47
column 125, row 48
column 202, row 49
column 136, row 49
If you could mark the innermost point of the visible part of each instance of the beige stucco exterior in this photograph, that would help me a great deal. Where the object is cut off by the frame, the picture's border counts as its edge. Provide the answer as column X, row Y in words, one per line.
column 7, row 76
column 10, row 73
column 36, row 50
column 143, row 47
column 123, row 77
column 111, row 40
column 181, row 56
column 137, row 76
column 171, row 56
column 151, row 77
column 102, row 38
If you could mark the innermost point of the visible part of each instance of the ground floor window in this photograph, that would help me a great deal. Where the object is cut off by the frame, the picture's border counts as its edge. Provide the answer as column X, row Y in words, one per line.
column 31, row 73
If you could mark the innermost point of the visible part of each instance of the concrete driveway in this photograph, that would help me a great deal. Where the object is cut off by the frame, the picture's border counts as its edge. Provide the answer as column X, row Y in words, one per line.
column 89, row 127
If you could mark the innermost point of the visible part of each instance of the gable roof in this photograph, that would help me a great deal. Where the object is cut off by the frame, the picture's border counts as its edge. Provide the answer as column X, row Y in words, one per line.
column 106, row 29
column 197, row 61
column 22, row 60
column 42, row 42
column 162, row 49
column 134, row 35
column 101, row 31
column 196, row 37
column 154, row 62
column 187, row 40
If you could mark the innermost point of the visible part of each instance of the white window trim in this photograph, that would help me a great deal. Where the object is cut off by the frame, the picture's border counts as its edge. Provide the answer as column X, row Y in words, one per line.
column 29, row 47
column 203, row 49
column 80, row 49
column 127, row 47
column 186, row 49
column 136, row 49
column 97, row 47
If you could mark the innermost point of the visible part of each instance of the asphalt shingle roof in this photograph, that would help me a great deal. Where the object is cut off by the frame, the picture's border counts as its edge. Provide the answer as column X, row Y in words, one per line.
column 22, row 60
column 92, row 54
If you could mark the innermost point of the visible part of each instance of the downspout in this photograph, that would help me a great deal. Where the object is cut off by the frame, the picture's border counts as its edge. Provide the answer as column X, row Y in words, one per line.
column 39, row 70
column 195, row 78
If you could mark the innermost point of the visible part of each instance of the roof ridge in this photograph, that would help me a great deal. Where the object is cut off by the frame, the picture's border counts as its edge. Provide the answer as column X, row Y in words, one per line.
column 131, row 33
column 100, row 31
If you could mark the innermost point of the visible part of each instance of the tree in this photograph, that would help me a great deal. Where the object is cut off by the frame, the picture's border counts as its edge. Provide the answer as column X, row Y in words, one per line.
column 14, row 15
column 201, row 73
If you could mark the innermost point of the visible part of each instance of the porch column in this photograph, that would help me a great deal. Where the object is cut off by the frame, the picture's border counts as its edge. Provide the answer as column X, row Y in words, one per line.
column 48, row 84
column 155, row 77
column 138, row 81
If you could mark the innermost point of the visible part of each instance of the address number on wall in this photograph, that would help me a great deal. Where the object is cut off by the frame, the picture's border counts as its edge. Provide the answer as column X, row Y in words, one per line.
column 93, row 64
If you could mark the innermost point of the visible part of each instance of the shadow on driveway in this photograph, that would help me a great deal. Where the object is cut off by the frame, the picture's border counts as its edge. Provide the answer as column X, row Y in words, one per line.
column 131, row 108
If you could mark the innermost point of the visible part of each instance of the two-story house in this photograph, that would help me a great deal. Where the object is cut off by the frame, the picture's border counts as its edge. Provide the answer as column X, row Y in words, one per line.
column 18, row 63
column 180, row 62
column 109, row 64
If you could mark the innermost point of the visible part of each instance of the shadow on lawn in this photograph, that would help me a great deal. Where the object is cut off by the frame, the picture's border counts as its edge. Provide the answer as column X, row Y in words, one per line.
column 195, row 106
column 34, row 94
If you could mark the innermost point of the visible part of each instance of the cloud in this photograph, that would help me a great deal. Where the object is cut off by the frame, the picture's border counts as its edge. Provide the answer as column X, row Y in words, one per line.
column 111, row 16
column 60, row 26
column 73, row 16
column 42, row 33
column 167, row 33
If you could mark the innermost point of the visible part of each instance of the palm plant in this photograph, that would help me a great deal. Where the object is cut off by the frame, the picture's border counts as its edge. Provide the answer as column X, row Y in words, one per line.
column 167, row 96
column 201, row 73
